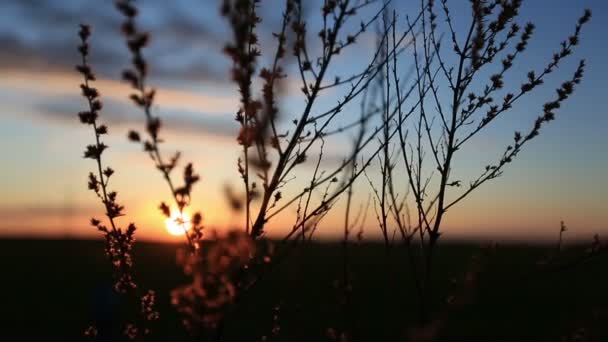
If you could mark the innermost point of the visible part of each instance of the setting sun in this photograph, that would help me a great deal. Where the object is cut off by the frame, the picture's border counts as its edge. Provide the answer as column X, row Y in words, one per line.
column 176, row 224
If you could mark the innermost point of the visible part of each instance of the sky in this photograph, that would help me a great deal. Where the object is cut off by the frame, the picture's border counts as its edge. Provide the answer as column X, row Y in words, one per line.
column 559, row 176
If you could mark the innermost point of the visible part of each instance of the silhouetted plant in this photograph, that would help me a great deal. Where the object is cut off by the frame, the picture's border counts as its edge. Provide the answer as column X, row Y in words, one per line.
column 213, row 269
column 396, row 128
column 144, row 98
column 443, row 123
column 259, row 117
column 118, row 242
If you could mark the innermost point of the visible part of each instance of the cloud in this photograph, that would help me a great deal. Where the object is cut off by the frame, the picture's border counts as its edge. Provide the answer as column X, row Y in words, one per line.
column 55, row 96
column 35, row 84
column 187, row 37
column 41, row 35
column 117, row 113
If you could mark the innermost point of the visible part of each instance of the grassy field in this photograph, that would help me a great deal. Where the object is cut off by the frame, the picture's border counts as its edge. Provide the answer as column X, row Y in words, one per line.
column 56, row 288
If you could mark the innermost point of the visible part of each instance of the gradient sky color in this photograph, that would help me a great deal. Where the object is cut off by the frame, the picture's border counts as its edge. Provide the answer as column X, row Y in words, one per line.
column 559, row 176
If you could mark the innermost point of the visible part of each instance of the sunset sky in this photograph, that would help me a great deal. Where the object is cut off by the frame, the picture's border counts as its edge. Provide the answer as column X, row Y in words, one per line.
column 559, row 176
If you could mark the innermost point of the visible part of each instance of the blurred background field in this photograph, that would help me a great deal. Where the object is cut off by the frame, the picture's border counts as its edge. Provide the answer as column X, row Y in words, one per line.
column 58, row 287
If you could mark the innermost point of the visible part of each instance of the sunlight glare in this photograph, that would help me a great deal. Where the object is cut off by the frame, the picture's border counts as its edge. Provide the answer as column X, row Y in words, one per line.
column 176, row 225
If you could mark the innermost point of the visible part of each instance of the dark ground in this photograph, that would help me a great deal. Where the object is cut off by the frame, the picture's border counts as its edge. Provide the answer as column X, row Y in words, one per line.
column 55, row 288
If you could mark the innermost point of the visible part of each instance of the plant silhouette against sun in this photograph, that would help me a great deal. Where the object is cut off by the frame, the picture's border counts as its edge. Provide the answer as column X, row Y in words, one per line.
column 118, row 242
column 270, row 152
column 462, row 91
column 413, row 124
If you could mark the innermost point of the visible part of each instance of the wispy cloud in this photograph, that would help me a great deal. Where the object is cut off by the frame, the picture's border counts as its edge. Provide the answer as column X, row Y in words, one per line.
column 67, row 83
column 118, row 114
column 54, row 96
column 188, row 37
column 41, row 35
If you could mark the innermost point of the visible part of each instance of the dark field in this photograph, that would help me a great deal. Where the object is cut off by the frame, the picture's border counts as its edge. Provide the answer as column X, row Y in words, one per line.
column 56, row 288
